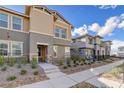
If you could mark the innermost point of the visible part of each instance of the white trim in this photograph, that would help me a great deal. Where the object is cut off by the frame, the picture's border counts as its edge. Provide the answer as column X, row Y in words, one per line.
column 38, row 43
column 61, row 38
column 8, row 44
column 11, row 30
column 42, row 11
column 61, row 34
column 56, row 50
column 56, row 24
column 10, row 47
column 15, row 42
column 63, row 22
column 40, row 33
column 7, row 20
column 21, row 23
column 18, row 31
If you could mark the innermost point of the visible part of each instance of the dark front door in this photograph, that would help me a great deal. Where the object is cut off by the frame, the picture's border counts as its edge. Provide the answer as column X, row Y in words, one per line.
column 42, row 53
column 39, row 53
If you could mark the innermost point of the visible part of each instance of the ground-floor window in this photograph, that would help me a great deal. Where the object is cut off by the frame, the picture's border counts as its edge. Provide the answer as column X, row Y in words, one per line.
column 12, row 48
column 55, row 49
column 17, row 48
column 4, row 48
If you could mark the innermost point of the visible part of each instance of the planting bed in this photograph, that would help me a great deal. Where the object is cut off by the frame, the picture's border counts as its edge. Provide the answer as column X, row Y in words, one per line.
column 83, row 85
column 17, row 76
column 71, row 68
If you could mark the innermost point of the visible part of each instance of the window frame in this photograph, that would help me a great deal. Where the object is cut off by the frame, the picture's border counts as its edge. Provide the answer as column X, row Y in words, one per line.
column 55, row 49
column 7, row 21
column 61, row 29
column 8, row 45
column 21, row 23
column 15, row 42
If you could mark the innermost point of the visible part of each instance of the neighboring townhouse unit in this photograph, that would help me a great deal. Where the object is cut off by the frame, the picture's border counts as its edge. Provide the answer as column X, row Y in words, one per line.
column 39, row 32
column 120, row 51
column 92, row 46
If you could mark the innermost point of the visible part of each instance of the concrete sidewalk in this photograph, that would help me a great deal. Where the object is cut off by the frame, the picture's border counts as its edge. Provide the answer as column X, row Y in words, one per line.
column 66, row 81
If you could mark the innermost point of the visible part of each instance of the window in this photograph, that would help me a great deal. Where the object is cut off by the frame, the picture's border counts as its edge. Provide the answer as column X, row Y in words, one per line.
column 56, row 32
column 17, row 49
column 3, row 20
column 17, row 23
column 63, row 32
column 60, row 32
column 3, row 48
column 55, row 50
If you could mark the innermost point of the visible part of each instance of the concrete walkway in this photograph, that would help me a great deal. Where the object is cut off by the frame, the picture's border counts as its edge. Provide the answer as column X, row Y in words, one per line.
column 65, row 81
column 51, row 71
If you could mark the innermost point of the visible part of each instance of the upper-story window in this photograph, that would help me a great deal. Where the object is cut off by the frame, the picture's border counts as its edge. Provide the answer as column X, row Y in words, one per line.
column 60, row 32
column 3, row 20
column 16, row 23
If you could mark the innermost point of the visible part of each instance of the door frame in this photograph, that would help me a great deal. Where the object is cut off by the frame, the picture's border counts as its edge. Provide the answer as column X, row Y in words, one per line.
column 46, row 49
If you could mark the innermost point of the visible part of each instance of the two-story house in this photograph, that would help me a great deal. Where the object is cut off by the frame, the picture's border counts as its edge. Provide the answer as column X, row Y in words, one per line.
column 92, row 46
column 38, row 32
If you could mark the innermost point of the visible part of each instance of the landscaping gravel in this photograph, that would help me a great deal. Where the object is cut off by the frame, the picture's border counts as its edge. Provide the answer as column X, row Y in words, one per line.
column 28, row 78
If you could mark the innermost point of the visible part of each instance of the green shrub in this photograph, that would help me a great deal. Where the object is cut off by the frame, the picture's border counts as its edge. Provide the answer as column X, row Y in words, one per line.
column 12, row 61
column 68, row 61
column 1, row 60
column 23, row 72
column 11, row 78
column 4, row 68
column 34, row 63
column 65, row 67
column 74, row 65
column 36, row 73
column 69, row 65
column 24, row 60
column 33, row 66
column 61, row 62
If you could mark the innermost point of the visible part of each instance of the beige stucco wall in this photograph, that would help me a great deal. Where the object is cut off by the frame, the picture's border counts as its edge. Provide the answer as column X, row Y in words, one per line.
column 41, row 22
column 25, row 22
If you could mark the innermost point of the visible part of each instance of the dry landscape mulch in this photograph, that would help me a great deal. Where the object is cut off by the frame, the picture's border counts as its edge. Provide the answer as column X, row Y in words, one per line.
column 116, row 74
column 83, row 85
column 21, row 80
column 79, row 68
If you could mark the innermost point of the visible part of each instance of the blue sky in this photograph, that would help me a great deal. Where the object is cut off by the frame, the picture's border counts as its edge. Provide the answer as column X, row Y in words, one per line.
column 107, row 21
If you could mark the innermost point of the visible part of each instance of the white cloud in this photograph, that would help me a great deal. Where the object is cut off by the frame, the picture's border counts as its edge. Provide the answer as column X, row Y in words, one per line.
column 110, row 34
column 107, row 29
column 95, row 27
column 115, row 45
column 109, row 26
column 121, row 25
column 80, row 31
column 107, row 6
column 122, row 16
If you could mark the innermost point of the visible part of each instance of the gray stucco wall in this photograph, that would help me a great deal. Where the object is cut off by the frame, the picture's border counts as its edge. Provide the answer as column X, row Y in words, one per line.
column 45, row 39
column 16, row 36
column 31, row 39
column 57, row 41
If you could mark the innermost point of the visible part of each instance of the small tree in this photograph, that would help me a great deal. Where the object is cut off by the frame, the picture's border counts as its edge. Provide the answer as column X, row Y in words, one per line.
column 1, row 60
column 34, row 62
column 24, row 60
